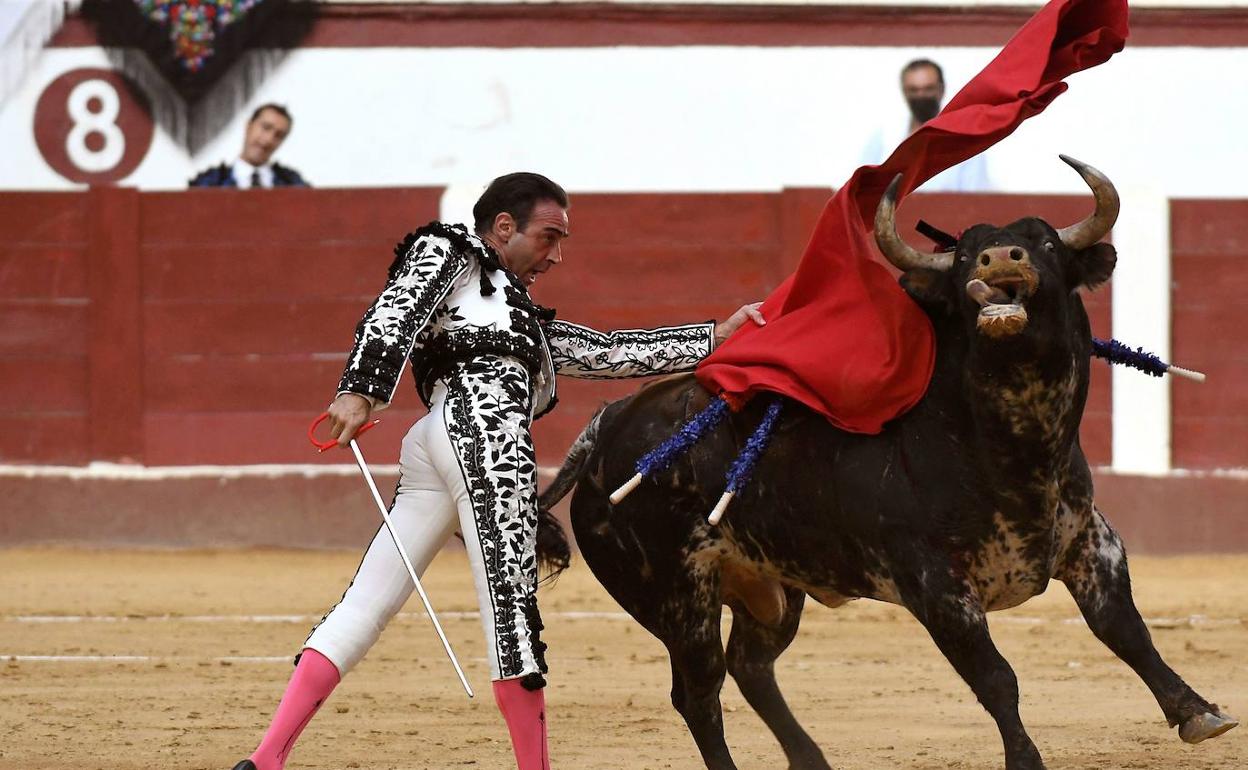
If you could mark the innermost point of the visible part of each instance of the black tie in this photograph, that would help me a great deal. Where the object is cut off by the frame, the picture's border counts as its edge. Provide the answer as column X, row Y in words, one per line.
column 255, row 178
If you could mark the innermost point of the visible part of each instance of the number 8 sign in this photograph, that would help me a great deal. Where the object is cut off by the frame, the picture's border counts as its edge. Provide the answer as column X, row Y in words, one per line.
column 93, row 126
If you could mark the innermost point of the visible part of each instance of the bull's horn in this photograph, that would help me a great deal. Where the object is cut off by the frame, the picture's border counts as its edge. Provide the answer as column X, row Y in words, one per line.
column 1097, row 226
column 903, row 256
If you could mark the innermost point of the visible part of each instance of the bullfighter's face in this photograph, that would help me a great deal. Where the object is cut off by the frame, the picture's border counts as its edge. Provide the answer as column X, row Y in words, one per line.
column 538, row 247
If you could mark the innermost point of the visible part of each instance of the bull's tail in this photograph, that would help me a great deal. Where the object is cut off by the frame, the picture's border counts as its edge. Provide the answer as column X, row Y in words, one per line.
column 553, row 551
column 573, row 465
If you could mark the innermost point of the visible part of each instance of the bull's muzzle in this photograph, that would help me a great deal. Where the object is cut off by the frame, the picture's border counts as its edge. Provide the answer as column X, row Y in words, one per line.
column 1008, row 271
column 1004, row 256
column 1002, row 281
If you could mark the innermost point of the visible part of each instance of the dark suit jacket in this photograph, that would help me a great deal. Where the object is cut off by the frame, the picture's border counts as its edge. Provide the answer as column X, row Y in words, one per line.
column 222, row 175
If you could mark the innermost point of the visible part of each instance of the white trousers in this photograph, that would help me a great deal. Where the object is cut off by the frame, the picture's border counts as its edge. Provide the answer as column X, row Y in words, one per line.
column 468, row 465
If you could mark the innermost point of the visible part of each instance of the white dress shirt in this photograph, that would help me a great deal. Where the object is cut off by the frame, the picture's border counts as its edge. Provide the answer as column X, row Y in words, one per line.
column 968, row 176
column 243, row 172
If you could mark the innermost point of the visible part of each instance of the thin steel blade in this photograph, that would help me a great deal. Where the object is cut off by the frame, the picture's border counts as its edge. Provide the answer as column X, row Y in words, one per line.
column 411, row 571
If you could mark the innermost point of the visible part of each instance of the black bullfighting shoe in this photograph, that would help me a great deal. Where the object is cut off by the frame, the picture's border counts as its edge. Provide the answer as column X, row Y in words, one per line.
column 246, row 764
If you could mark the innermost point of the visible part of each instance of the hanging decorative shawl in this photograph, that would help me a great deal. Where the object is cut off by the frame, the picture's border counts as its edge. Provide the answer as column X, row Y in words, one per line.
column 193, row 44
column 841, row 335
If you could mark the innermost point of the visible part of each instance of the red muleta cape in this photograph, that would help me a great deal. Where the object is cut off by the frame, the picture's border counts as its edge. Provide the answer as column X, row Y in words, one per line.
column 842, row 337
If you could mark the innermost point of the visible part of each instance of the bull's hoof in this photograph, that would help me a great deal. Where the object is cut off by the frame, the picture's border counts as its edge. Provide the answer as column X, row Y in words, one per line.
column 1203, row 726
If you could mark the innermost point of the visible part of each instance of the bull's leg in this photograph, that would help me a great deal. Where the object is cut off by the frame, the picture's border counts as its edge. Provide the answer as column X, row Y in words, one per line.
column 693, row 641
column 1095, row 572
column 952, row 615
column 665, row 593
column 752, row 650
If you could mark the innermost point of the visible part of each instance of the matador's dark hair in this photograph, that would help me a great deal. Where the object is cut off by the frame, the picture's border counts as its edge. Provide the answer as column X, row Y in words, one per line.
column 515, row 194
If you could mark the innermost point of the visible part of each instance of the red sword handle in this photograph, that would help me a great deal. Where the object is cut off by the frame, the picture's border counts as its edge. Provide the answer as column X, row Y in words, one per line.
column 321, row 446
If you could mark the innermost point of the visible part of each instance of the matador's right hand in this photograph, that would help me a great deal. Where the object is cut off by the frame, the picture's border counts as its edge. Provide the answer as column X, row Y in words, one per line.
column 348, row 412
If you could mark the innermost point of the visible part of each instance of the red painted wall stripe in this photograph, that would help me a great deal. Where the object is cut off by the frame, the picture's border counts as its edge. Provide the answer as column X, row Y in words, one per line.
column 243, row 326
column 115, row 325
column 583, row 25
column 43, row 327
column 1209, row 273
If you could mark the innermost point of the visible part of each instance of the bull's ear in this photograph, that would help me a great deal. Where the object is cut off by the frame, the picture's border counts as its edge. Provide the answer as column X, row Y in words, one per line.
column 1094, row 265
column 930, row 288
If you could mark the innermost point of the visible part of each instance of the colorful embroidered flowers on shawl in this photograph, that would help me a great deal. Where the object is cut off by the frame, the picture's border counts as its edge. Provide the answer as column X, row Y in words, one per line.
column 194, row 24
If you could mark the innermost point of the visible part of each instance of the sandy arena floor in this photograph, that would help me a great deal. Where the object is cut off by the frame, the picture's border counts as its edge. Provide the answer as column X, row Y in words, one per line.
column 120, row 660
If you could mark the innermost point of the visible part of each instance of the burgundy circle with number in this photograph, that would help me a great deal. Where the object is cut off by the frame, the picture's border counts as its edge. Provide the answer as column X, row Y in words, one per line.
column 92, row 129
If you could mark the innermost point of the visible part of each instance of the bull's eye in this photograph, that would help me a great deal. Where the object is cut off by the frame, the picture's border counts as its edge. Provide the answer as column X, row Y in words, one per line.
column 1050, row 247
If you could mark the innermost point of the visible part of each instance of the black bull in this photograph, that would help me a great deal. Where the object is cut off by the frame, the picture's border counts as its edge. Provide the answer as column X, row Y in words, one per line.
column 968, row 503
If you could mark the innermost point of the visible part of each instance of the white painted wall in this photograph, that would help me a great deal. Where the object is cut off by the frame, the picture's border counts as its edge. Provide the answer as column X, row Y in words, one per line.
column 1141, row 430
column 700, row 118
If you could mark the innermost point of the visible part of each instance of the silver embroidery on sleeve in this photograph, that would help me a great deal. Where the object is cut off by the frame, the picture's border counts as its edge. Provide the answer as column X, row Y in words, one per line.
column 578, row 351
column 419, row 282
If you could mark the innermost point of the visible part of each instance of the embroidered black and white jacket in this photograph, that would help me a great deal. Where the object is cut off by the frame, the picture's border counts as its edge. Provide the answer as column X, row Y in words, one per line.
column 448, row 298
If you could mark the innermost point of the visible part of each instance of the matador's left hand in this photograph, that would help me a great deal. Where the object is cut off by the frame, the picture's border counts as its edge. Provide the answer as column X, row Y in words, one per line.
column 735, row 321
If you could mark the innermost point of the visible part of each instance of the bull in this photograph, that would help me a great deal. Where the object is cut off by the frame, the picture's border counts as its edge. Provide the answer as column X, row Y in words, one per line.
column 968, row 503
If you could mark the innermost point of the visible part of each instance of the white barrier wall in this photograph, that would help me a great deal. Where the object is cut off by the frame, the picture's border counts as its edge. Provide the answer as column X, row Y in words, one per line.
column 700, row 118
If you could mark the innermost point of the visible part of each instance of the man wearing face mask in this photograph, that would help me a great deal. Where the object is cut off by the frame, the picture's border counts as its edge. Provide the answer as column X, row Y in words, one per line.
column 923, row 87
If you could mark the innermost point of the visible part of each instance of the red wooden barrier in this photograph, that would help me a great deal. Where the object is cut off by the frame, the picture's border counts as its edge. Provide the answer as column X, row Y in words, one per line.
column 249, row 299
column 208, row 327
column 1209, row 273
column 250, row 302
column 115, row 351
column 43, row 327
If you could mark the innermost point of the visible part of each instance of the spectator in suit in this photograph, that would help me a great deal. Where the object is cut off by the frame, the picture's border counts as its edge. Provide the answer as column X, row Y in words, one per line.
column 266, row 130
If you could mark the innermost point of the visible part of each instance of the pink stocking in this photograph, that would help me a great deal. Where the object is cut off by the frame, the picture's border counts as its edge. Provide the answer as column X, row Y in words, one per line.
column 314, row 679
column 525, row 714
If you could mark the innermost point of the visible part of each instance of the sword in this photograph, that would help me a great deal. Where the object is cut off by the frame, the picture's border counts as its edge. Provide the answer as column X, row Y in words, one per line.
column 321, row 446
